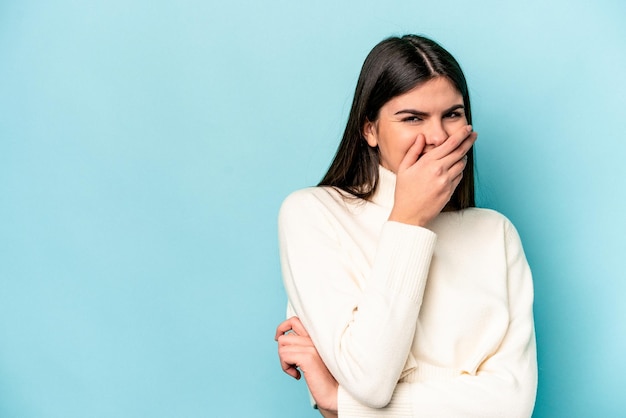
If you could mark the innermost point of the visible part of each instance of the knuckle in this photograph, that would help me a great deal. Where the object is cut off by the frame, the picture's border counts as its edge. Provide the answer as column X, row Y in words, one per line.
column 436, row 170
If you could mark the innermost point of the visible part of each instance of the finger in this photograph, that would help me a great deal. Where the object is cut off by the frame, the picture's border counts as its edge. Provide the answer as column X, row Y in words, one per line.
column 297, row 327
column 450, row 144
column 468, row 143
column 413, row 153
column 291, row 370
column 460, row 152
column 288, row 357
column 296, row 356
column 294, row 360
column 284, row 327
column 457, row 169
column 457, row 180
column 293, row 339
column 291, row 324
column 454, row 184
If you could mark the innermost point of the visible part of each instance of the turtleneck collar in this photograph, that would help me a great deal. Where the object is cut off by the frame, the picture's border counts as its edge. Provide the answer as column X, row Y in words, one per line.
column 385, row 191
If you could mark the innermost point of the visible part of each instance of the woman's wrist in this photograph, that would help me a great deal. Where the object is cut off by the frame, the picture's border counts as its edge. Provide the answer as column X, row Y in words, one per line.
column 415, row 220
column 328, row 405
column 326, row 413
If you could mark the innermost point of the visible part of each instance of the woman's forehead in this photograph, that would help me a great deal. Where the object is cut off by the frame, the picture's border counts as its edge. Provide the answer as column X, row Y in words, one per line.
column 431, row 95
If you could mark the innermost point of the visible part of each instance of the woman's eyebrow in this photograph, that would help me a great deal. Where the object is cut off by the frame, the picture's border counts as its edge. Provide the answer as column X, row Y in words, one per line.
column 420, row 113
column 411, row 112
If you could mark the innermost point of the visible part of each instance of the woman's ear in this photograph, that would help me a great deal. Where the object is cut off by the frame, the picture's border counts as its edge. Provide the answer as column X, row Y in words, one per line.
column 370, row 133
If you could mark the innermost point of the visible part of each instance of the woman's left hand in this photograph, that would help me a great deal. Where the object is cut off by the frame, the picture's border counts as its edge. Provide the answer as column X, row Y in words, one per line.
column 297, row 351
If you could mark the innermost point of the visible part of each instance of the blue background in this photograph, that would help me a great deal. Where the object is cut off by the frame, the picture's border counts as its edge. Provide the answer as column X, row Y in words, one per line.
column 145, row 148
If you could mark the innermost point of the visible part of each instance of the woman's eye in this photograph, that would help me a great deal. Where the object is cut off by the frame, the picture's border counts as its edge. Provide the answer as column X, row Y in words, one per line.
column 453, row 115
column 412, row 119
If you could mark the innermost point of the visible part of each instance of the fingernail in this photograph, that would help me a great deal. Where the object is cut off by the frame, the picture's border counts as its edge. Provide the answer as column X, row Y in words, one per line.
column 469, row 128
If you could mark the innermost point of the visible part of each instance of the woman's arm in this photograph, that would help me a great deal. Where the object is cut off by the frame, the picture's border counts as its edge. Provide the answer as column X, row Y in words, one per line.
column 363, row 327
column 506, row 381
column 297, row 351
column 504, row 385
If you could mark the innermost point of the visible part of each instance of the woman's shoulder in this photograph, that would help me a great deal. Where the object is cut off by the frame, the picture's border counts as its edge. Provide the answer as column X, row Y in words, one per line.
column 309, row 195
column 312, row 200
column 484, row 214
column 478, row 219
column 488, row 219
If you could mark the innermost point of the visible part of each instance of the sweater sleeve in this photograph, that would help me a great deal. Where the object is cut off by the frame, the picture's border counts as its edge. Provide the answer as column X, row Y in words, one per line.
column 504, row 384
column 363, row 329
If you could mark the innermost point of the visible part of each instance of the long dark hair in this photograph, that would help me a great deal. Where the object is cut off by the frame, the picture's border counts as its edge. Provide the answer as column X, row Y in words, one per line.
column 393, row 67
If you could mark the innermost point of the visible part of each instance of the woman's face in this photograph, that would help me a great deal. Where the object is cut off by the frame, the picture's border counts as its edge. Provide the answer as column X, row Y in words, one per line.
column 434, row 109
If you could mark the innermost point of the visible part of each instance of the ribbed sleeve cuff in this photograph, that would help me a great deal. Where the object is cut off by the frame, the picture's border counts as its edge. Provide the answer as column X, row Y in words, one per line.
column 403, row 258
column 399, row 407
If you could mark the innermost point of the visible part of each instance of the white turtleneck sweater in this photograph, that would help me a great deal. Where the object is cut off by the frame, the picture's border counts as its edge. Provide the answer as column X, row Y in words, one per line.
column 411, row 321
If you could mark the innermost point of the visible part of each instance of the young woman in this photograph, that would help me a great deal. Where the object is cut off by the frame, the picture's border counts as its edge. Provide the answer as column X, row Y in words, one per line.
column 404, row 299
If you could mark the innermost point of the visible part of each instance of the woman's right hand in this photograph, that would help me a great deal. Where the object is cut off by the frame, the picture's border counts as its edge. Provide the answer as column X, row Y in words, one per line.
column 424, row 185
column 297, row 351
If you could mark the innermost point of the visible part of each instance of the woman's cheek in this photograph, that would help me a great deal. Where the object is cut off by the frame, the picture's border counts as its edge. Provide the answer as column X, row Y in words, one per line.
column 457, row 124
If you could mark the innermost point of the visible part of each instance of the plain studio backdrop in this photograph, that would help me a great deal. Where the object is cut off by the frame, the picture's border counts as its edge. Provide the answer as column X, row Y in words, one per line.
column 146, row 146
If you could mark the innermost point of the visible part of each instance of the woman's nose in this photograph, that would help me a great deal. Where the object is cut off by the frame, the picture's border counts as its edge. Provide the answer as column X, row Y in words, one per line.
column 436, row 134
